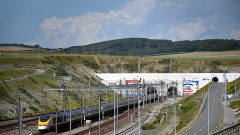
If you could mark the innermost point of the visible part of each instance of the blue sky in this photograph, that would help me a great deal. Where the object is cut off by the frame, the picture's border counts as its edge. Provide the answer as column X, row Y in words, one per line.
column 64, row 23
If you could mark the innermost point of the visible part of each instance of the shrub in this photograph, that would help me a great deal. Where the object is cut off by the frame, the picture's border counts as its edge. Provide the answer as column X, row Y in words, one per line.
column 24, row 91
column 61, row 71
column 147, row 126
column 92, row 64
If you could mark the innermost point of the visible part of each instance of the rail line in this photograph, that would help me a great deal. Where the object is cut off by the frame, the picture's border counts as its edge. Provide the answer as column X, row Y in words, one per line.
column 104, row 125
column 133, row 127
column 7, row 126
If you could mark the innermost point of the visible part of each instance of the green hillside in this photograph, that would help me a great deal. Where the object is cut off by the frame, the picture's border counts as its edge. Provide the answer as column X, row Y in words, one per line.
column 143, row 46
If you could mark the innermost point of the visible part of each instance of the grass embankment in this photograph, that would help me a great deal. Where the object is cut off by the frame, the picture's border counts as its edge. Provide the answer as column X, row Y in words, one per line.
column 161, row 121
column 231, row 86
column 196, row 62
column 235, row 104
column 190, row 107
column 187, row 113
column 231, row 90
column 30, row 91
column 14, row 73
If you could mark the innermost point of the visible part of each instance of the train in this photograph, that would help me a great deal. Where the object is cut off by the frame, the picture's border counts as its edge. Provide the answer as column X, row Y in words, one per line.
column 48, row 121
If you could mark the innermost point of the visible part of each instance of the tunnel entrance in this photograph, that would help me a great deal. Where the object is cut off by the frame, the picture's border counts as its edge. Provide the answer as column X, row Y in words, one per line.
column 171, row 91
column 151, row 90
column 214, row 79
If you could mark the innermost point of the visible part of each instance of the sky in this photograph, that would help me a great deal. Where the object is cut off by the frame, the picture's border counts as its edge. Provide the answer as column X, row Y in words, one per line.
column 65, row 23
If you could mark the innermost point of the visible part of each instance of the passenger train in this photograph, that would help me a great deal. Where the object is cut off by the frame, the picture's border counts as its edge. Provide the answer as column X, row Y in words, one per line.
column 45, row 122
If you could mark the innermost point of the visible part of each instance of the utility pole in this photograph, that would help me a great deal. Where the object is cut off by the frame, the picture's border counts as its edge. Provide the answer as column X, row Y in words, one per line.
column 89, row 93
column 235, row 86
column 166, row 111
column 99, row 112
column 146, row 94
column 154, row 95
column 175, row 122
column 134, row 106
column 208, row 104
column 143, row 92
column 20, row 116
column 63, row 96
column 208, row 111
column 81, row 110
column 139, row 119
column 117, row 110
column 128, row 108
column 56, row 117
column 225, row 95
column 174, row 98
column 106, row 96
column 43, row 100
column 170, row 66
column 70, row 115
column 114, row 108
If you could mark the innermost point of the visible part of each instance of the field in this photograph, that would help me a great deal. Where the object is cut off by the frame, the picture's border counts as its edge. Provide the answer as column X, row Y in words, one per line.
column 15, row 49
column 13, row 73
column 224, row 55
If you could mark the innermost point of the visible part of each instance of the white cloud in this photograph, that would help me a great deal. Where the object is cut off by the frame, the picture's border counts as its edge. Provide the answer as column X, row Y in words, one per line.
column 90, row 27
column 186, row 31
column 235, row 34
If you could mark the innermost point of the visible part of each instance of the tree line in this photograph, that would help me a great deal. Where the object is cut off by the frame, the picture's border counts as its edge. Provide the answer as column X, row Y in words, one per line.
column 142, row 46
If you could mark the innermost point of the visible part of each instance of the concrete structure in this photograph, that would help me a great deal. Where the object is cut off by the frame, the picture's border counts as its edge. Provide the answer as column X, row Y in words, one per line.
column 187, row 82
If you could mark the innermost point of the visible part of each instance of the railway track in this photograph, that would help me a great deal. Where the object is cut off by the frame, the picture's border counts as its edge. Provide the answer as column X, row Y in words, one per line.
column 104, row 126
column 133, row 127
column 10, row 125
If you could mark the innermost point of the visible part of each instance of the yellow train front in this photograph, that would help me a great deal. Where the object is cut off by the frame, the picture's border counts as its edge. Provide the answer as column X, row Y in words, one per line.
column 45, row 122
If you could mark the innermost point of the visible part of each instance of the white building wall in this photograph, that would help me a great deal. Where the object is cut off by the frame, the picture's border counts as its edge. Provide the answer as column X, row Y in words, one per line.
column 166, row 77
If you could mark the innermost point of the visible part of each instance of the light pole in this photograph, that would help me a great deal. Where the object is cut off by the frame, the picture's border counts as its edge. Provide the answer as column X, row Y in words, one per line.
column 143, row 93
column 139, row 119
column 166, row 111
column 106, row 96
column 208, row 105
column 56, row 117
column 20, row 117
column 225, row 95
column 117, row 109
column 114, row 110
column 88, row 122
column 175, row 123
column 70, row 115
column 235, row 86
column 134, row 105
column 128, row 103
column 99, row 112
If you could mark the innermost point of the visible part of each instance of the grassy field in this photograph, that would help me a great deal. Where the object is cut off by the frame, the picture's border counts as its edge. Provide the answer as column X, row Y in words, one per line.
column 224, row 55
column 14, row 49
column 14, row 73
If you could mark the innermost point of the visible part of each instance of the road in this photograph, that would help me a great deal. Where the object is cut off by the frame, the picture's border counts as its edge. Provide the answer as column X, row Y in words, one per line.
column 215, row 111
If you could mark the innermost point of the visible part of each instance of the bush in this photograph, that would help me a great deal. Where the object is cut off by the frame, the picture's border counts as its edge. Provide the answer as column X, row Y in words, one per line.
column 34, row 109
column 4, row 95
column 22, row 90
column 91, row 64
column 61, row 71
column 147, row 126
column 235, row 104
